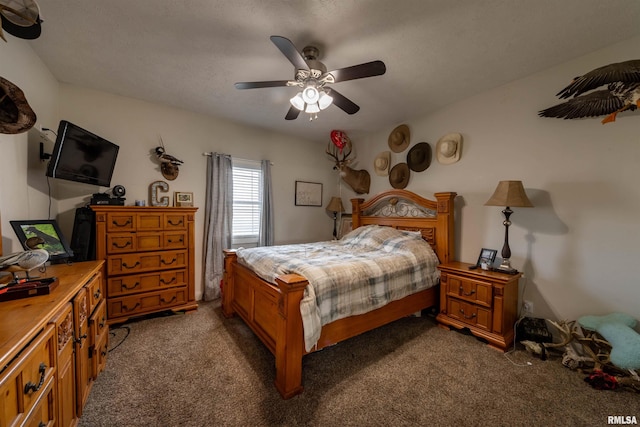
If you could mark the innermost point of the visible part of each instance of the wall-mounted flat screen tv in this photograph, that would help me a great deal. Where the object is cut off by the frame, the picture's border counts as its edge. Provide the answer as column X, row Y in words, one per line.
column 81, row 156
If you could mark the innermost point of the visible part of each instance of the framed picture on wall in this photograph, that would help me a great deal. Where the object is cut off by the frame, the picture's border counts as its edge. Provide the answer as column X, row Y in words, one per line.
column 308, row 193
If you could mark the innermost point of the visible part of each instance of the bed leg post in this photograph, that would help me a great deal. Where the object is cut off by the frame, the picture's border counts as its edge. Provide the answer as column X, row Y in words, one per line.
column 290, row 336
column 230, row 259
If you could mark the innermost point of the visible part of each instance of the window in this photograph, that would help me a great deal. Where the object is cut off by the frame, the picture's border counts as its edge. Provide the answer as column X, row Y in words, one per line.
column 247, row 197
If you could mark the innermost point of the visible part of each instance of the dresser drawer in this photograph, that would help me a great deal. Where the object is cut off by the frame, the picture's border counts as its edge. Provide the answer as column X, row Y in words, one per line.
column 25, row 379
column 474, row 291
column 95, row 291
column 471, row 314
column 175, row 221
column 98, row 323
column 121, row 243
column 44, row 411
column 135, row 283
column 100, row 351
column 174, row 239
column 120, row 221
column 138, row 263
column 146, row 303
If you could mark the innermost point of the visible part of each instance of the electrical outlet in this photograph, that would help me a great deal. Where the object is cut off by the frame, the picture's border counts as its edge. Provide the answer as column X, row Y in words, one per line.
column 527, row 307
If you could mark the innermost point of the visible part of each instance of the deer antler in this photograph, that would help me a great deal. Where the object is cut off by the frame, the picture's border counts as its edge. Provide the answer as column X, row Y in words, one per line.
column 332, row 150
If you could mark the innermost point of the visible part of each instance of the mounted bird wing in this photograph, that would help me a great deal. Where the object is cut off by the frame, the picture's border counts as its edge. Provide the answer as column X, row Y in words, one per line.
column 622, row 93
column 627, row 71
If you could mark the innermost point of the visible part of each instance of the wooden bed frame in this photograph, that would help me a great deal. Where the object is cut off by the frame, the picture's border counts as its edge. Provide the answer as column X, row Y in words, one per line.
column 273, row 311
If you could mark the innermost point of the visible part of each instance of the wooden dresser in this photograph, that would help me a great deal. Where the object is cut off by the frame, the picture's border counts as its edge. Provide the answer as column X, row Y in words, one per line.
column 52, row 348
column 485, row 302
column 149, row 256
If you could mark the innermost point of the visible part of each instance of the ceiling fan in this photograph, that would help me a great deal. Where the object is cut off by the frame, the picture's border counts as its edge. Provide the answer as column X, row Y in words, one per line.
column 312, row 78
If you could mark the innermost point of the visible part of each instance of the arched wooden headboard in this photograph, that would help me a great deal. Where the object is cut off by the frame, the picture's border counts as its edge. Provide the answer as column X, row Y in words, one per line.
column 405, row 210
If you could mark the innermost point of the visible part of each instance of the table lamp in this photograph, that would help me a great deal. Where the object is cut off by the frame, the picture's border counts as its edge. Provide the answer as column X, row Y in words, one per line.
column 508, row 194
column 335, row 206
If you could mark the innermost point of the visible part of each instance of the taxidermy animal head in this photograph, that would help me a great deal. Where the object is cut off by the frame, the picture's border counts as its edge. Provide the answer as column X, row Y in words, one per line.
column 358, row 180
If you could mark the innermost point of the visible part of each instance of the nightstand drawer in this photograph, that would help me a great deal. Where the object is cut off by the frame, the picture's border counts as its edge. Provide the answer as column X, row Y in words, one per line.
column 474, row 291
column 469, row 313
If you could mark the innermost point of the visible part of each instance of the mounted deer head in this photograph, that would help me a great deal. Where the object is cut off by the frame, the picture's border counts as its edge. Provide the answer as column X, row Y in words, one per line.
column 358, row 180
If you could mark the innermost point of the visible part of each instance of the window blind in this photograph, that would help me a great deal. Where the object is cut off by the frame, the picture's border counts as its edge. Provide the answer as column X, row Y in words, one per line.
column 246, row 202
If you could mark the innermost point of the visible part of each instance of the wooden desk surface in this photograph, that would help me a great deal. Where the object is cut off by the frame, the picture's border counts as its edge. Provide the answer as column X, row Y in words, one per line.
column 22, row 319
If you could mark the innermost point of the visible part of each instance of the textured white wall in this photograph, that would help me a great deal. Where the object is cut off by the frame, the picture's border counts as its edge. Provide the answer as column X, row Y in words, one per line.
column 23, row 189
column 136, row 126
column 578, row 246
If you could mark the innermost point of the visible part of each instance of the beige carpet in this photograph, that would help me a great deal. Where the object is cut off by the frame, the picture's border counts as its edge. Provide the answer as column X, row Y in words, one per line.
column 200, row 369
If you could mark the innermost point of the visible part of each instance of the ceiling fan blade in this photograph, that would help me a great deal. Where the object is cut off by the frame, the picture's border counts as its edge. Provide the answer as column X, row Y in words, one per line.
column 257, row 85
column 368, row 69
column 292, row 114
column 290, row 51
column 343, row 102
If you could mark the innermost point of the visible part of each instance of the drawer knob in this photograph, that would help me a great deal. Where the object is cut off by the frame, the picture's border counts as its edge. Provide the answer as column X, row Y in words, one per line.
column 97, row 294
column 165, row 282
column 124, row 264
column 168, row 262
column 162, row 300
column 175, row 223
column 125, row 287
column 79, row 339
column 127, row 222
column 127, row 309
column 465, row 316
column 31, row 387
column 117, row 246
column 473, row 291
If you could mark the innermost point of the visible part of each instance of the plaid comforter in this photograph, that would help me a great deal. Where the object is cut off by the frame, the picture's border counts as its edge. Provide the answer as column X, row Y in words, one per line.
column 365, row 270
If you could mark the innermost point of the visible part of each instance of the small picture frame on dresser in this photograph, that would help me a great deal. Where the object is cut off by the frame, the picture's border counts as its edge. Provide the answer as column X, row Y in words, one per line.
column 182, row 199
column 486, row 258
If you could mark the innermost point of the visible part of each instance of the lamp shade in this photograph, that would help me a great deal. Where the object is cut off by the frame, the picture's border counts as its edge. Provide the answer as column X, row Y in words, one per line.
column 509, row 193
column 335, row 205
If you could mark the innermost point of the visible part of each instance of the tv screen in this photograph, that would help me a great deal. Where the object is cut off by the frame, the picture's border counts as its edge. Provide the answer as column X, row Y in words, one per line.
column 81, row 156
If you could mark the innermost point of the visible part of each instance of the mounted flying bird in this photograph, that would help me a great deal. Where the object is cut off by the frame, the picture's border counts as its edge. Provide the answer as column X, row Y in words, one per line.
column 312, row 79
column 622, row 93
column 168, row 163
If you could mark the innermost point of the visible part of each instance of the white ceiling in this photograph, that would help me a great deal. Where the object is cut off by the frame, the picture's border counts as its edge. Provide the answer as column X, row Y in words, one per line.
column 188, row 53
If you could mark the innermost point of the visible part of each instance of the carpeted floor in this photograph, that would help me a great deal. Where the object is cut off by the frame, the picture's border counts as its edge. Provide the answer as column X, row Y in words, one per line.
column 200, row 369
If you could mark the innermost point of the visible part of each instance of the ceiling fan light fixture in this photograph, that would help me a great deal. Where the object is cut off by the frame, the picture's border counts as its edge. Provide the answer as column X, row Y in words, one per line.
column 312, row 108
column 310, row 94
column 324, row 101
column 297, row 101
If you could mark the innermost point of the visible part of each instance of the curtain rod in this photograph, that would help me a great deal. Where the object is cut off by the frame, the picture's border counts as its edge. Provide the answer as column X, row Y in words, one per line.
column 233, row 157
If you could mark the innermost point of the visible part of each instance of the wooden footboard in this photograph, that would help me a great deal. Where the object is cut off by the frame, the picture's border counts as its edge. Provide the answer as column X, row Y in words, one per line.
column 273, row 311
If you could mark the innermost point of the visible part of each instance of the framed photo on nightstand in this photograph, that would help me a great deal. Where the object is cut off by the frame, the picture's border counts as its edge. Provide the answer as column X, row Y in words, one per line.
column 486, row 258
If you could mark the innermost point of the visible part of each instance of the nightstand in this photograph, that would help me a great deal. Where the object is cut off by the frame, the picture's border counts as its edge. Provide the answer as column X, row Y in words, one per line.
column 485, row 302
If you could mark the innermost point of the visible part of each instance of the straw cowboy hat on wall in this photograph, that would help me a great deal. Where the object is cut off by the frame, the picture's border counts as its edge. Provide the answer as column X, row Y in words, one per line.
column 381, row 163
column 399, row 138
column 448, row 148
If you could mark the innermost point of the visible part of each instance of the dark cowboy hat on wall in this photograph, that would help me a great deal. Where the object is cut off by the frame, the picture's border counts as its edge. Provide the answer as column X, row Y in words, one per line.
column 16, row 116
column 399, row 176
column 21, row 18
column 419, row 157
